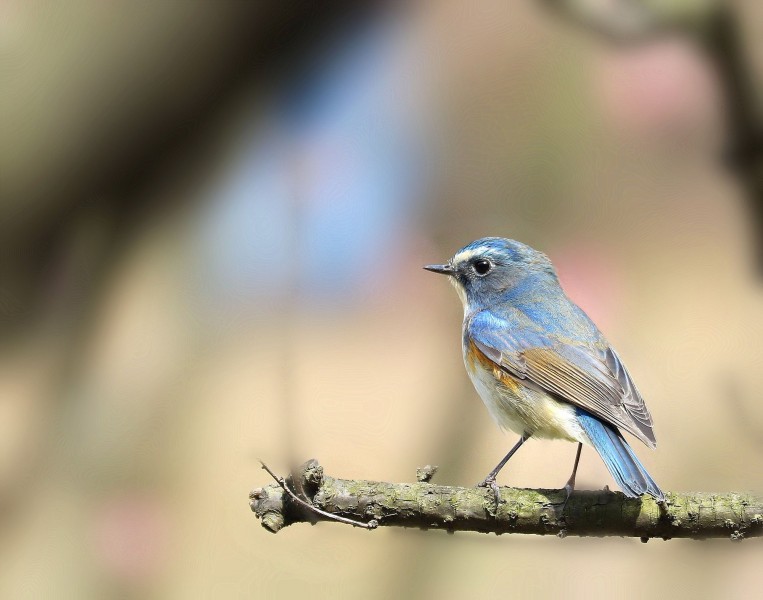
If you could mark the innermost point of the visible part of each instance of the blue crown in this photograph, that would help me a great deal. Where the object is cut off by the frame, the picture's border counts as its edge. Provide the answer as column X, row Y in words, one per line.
column 507, row 249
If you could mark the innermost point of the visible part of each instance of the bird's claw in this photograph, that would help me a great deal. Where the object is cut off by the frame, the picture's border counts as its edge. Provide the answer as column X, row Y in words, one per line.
column 567, row 489
column 489, row 482
column 568, row 492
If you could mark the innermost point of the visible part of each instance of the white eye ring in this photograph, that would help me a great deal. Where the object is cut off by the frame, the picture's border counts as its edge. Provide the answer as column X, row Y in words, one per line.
column 482, row 267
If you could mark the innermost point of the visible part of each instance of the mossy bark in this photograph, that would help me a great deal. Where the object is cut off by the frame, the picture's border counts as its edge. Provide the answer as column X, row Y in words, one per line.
column 696, row 515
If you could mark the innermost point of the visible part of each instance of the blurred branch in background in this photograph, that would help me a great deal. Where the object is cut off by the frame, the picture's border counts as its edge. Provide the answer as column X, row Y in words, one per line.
column 715, row 26
column 165, row 70
column 725, row 46
column 91, row 134
column 541, row 512
column 624, row 21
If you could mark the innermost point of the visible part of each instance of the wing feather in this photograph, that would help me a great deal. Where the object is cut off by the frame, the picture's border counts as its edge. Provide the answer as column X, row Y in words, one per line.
column 593, row 379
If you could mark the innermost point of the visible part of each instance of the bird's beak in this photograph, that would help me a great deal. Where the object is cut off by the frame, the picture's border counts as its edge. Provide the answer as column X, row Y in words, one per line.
column 441, row 269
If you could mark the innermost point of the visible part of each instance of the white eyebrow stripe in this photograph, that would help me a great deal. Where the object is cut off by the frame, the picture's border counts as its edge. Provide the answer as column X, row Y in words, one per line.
column 467, row 254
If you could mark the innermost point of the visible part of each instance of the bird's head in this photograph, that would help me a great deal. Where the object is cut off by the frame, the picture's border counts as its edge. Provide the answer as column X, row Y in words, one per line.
column 483, row 270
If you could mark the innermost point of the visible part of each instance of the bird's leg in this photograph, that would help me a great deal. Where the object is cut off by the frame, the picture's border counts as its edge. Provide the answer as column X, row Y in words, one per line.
column 489, row 481
column 570, row 486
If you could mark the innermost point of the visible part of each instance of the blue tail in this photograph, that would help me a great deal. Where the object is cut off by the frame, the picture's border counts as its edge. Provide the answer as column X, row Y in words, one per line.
column 622, row 463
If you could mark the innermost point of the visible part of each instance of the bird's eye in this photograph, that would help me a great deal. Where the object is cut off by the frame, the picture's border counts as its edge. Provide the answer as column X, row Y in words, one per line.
column 482, row 266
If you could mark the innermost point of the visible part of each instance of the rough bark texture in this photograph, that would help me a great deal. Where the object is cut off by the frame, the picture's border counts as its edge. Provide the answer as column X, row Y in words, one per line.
column 588, row 513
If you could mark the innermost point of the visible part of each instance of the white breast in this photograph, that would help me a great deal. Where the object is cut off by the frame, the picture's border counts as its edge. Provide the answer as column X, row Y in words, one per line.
column 525, row 410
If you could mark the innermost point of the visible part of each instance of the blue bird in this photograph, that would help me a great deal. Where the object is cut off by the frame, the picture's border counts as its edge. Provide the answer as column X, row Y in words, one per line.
column 541, row 366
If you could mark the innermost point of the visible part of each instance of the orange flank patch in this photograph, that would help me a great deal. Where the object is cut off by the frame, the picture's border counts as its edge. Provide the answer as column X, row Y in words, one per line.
column 476, row 359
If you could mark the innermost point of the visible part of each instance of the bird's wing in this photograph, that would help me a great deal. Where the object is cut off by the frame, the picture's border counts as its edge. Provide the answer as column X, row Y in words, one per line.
column 592, row 379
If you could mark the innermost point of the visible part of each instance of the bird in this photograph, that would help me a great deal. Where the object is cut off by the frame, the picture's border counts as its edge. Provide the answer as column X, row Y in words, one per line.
column 540, row 364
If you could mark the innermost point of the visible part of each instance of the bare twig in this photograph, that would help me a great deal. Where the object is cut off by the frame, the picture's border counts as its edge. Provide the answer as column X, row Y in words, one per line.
column 542, row 512
column 372, row 524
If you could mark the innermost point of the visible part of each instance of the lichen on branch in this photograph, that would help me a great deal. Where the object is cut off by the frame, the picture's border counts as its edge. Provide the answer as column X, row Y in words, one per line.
column 696, row 515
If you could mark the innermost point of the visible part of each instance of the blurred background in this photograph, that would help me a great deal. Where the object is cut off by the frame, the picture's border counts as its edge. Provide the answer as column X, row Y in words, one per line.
column 213, row 218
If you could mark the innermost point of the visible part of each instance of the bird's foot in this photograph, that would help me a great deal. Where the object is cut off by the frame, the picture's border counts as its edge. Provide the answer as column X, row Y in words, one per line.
column 489, row 482
column 567, row 489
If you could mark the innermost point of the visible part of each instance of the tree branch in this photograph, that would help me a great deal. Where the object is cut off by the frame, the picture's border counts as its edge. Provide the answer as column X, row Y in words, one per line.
column 628, row 21
column 427, row 506
column 715, row 27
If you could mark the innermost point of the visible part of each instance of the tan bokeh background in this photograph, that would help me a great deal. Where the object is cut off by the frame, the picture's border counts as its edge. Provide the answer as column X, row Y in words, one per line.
column 145, row 365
